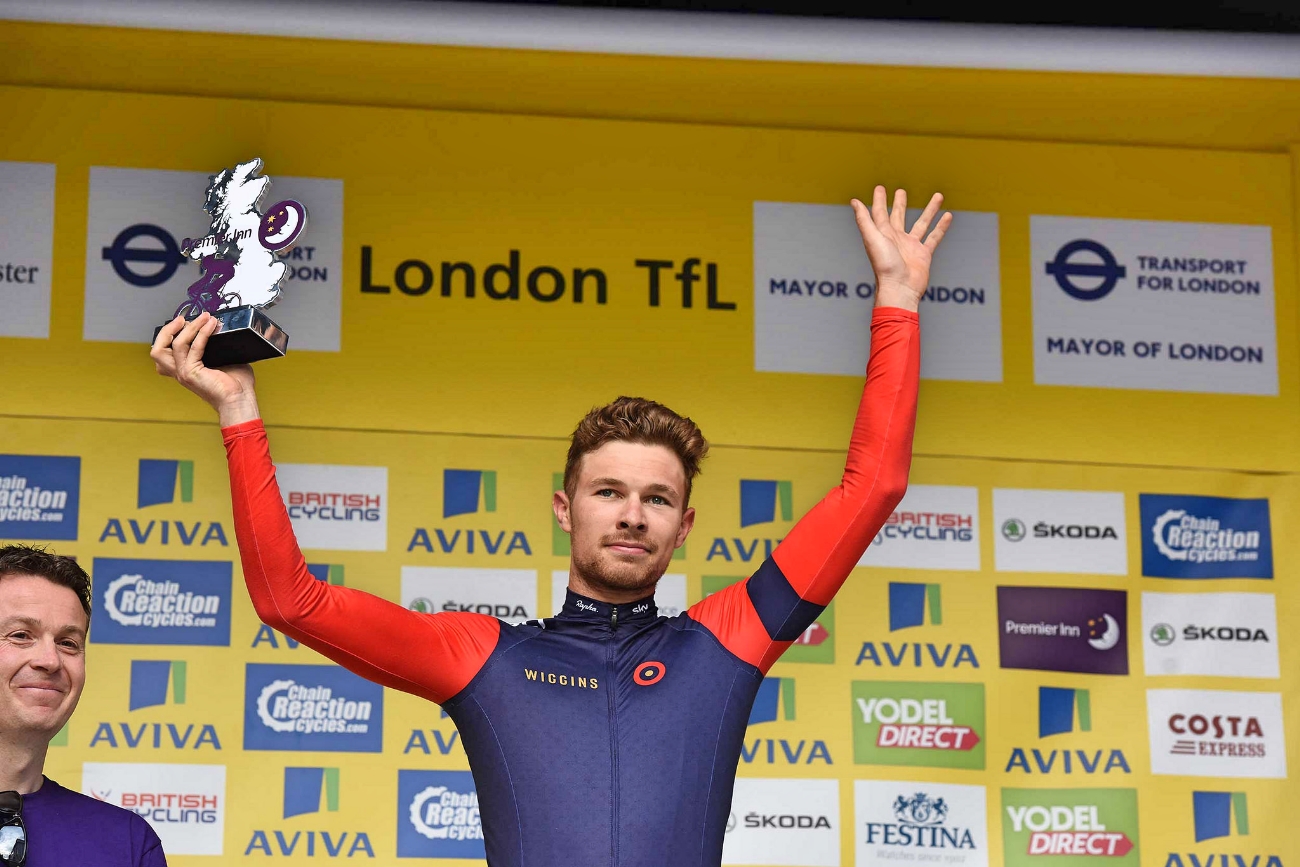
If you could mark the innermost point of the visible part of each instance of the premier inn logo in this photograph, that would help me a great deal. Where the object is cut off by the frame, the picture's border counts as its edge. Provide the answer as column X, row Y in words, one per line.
column 570, row 680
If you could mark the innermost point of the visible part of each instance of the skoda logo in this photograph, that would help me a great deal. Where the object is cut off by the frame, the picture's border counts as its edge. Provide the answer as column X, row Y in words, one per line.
column 1013, row 529
column 1163, row 635
column 160, row 261
column 422, row 605
column 1067, row 266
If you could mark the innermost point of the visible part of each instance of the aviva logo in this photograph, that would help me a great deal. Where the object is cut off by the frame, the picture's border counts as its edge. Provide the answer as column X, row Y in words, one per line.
column 909, row 604
column 330, row 573
column 149, row 678
column 303, row 788
column 759, row 499
column 1214, row 814
column 1056, row 707
column 774, row 693
column 162, row 481
column 460, row 491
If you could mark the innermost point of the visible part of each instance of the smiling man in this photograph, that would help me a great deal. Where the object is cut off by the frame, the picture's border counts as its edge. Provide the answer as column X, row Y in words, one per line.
column 606, row 735
column 44, row 614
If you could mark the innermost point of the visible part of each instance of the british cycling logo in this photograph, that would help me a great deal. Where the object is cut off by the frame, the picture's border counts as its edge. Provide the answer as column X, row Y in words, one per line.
column 185, row 804
column 936, row 821
column 1101, row 823
column 934, row 527
column 1205, row 537
column 438, row 815
column 311, row 707
column 39, row 497
column 336, row 507
column 1063, row 629
column 161, row 602
column 918, row 724
column 308, row 792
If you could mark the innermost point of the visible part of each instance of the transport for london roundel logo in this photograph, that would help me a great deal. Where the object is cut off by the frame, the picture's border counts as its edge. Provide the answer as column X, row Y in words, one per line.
column 649, row 673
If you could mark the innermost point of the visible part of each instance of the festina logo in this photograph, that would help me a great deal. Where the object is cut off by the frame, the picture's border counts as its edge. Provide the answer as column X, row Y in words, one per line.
column 920, row 823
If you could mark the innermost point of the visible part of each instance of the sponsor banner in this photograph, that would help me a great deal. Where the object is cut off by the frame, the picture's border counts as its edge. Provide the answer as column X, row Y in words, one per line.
column 438, row 815
column 316, row 708
column 1187, row 536
column 1153, row 305
column 39, row 497
column 1212, row 733
column 185, row 804
column 784, row 823
column 506, row 594
column 136, row 276
column 334, row 507
column 1216, row 634
column 670, row 595
column 1070, row 826
column 1063, row 629
column 814, row 291
column 161, row 602
column 26, row 248
column 932, row 725
column 1059, row 531
column 923, row 822
column 934, row 527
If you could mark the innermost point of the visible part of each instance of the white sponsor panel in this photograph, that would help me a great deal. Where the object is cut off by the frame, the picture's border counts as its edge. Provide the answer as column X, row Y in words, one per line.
column 1074, row 532
column 1153, row 305
column 334, row 507
column 185, row 804
column 934, row 527
column 670, row 595
column 139, row 218
column 814, row 291
column 1213, row 733
column 26, row 248
column 920, row 822
column 1215, row 634
column 507, row 594
column 784, row 822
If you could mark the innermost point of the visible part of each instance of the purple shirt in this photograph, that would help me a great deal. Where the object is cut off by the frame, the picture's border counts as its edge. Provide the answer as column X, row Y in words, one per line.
column 66, row 828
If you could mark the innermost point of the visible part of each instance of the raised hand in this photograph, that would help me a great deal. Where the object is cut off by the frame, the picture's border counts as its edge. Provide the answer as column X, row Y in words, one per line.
column 177, row 352
column 900, row 258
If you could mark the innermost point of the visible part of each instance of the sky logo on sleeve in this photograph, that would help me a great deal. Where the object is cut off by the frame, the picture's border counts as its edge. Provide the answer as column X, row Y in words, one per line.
column 775, row 696
column 1216, row 813
column 461, row 488
column 1056, row 709
column 150, row 679
column 330, row 573
column 161, row 482
column 910, row 603
column 303, row 788
column 39, row 497
column 759, row 499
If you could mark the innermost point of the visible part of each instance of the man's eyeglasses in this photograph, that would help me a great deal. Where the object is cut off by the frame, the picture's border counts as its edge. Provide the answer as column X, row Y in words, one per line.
column 13, row 834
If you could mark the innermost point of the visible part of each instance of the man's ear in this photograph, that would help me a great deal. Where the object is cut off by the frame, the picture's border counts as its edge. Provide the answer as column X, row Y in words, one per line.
column 560, row 506
column 688, row 521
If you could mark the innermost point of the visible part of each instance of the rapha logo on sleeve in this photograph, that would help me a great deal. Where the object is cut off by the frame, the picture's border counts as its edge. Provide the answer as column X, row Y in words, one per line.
column 1153, row 305
column 784, row 822
column 1205, row 537
column 1212, row 733
column 137, row 222
column 900, row 821
column 934, row 527
column 317, row 708
column 1215, row 634
column 438, row 815
column 333, row 507
column 161, row 602
column 39, row 497
column 814, row 290
column 185, row 804
column 26, row 248
column 1063, row 629
column 506, row 594
column 1059, row 531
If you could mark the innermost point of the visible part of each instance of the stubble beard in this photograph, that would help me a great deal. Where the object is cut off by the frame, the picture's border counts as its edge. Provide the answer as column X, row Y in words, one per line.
column 620, row 577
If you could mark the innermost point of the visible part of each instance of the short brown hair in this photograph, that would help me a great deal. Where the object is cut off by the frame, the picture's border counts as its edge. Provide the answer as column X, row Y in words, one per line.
column 64, row 571
column 636, row 420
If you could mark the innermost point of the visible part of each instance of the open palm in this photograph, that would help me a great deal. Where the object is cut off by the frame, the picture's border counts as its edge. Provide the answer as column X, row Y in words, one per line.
column 899, row 257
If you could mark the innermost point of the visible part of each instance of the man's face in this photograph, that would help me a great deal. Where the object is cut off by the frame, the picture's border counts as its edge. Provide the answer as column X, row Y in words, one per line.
column 42, row 656
column 627, row 514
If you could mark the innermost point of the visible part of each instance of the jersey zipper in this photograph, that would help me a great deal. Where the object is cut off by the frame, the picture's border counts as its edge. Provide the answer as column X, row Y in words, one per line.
column 613, row 738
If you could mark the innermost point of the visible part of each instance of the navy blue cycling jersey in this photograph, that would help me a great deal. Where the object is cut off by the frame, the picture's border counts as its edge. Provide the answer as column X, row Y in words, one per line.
column 606, row 735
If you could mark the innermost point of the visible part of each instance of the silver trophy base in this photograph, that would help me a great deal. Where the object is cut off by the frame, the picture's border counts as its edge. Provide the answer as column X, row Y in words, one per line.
column 247, row 335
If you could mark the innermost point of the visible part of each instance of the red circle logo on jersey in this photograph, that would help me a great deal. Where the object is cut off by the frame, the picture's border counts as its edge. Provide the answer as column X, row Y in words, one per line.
column 648, row 673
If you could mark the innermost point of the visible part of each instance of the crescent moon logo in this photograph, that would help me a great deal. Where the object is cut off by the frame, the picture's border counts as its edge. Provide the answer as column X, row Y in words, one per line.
column 282, row 224
column 1107, row 639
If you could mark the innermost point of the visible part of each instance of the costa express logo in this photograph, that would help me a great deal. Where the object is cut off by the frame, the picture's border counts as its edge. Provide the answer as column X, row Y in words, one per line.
column 1205, row 537
column 309, row 792
column 918, row 724
column 469, row 492
column 1058, row 710
column 1222, row 816
column 164, row 483
column 774, row 701
column 311, row 707
column 1063, row 629
column 438, row 815
column 156, row 683
column 814, row 644
column 762, row 501
column 1092, row 823
column 161, row 602
column 1214, row 733
column 39, row 497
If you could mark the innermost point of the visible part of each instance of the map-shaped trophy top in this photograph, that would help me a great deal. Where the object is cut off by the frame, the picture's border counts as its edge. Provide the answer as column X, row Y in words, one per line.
column 240, row 255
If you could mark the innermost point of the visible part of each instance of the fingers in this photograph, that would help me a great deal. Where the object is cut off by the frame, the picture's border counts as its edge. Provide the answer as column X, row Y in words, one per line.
column 923, row 222
column 195, row 358
column 160, row 351
column 181, row 344
column 879, row 208
column 898, row 216
column 932, row 242
column 864, row 220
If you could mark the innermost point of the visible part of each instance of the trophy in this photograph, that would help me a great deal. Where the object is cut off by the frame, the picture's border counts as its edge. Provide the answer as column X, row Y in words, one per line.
column 239, row 260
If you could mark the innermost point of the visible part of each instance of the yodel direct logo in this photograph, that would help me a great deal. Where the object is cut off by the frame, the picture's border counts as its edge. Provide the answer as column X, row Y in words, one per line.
column 1099, row 823
column 311, row 707
column 918, row 724
column 1205, row 537
column 161, row 601
column 39, row 497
